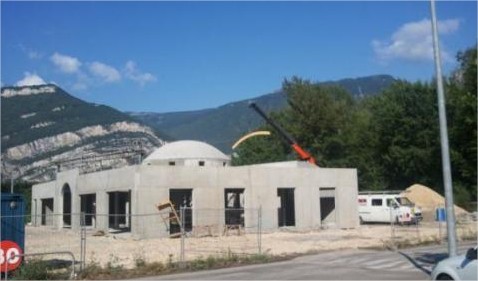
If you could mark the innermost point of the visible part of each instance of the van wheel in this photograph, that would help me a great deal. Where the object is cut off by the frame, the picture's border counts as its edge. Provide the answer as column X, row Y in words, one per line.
column 361, row 220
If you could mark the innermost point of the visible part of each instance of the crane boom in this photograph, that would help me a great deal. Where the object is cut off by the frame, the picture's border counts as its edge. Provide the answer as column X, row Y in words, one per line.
column 304, row 155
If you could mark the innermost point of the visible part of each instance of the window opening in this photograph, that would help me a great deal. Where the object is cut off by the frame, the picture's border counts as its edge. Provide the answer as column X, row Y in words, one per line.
column 119, row 211
column 234, row 206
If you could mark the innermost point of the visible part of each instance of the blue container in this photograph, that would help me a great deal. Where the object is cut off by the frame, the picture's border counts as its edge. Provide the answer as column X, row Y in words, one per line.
column 13, row 218
column 440, row 214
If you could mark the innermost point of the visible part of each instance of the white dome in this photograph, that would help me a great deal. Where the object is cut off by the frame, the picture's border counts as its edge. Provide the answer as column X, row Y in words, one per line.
column 185, row 150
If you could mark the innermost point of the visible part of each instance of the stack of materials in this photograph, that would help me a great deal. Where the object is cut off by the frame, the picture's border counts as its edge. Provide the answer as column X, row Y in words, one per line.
column 428, row 199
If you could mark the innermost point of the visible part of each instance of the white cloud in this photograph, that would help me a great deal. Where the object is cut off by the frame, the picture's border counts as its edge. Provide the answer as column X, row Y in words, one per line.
column 30, row 79
column 133, row 73
column 32, row 54
column 104, row 71
column 413, row 41
column 66, row 63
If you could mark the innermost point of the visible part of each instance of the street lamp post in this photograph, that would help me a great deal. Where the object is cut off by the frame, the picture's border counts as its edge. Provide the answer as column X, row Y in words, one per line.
column 445, row 154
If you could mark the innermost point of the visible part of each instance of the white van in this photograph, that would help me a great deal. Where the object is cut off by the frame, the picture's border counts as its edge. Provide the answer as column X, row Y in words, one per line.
column 384, row 206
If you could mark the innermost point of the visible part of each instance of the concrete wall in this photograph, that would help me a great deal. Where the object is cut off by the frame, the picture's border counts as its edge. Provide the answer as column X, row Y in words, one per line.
column 39, row 192
column 150, row 185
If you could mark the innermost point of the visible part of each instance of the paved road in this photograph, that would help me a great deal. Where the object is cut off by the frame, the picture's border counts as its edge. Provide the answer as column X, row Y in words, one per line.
column 409, row 264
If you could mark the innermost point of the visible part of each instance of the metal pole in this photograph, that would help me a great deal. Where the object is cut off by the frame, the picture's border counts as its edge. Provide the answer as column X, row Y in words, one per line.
column 183, row 220
column 445, row 154
column 82, row 240
column 418, row 229
column 439, row 230
column 392, row 228
column 11, row 183
column 259, row 230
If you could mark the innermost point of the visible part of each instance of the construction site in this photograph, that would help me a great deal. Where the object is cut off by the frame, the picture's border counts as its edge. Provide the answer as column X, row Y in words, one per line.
column 189, row 190
column 195, row 174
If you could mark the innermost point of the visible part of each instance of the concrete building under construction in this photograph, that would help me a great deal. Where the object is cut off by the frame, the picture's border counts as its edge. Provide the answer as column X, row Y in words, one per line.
column 196, row 175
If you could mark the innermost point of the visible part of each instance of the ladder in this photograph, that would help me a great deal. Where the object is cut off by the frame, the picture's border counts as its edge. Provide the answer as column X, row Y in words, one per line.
column 169, row 217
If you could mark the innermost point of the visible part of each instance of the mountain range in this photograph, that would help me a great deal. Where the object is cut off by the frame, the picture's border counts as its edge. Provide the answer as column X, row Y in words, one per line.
column 43, row 128
column 223, row 125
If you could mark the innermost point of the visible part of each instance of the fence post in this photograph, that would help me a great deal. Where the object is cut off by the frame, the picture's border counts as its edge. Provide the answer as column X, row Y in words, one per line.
column 392, row 228
column 418, row 228
column 6, row 268
column 259, row 229
column 82, row 240
column 182, row 254
column 437, row 214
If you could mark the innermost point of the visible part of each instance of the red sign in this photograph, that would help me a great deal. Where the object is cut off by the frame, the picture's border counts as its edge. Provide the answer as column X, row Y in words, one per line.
column 9, row 256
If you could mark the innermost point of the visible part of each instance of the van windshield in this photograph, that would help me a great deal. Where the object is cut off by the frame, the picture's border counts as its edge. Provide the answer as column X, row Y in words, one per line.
column 404, row 201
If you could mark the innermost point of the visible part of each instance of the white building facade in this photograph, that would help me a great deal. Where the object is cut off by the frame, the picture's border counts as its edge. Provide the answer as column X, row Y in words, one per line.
column 198, row 176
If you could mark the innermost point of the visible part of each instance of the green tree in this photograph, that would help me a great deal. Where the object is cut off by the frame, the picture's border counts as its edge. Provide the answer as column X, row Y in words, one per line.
column 461, row 94
column 362, row 142
column 392, row 139
column 318, row 118
column 404, row 120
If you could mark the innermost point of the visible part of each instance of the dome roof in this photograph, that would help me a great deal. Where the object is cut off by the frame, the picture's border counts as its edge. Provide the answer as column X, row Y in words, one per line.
column 186, row 149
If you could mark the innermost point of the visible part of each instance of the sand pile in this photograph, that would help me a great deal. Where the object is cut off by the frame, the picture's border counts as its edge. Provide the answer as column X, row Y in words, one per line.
column 428, row 199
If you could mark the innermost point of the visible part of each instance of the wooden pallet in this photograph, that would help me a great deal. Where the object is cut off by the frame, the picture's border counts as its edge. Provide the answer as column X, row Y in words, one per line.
column 169, row 217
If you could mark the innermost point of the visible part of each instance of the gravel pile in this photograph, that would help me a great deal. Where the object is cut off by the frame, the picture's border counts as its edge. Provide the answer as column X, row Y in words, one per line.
column 428, row 199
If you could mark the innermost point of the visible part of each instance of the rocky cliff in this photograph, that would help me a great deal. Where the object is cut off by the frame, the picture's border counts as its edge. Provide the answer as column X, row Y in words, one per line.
column 45, row 129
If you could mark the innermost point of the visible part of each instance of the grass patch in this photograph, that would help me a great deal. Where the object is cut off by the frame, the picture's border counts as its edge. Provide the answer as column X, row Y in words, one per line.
column 37, row 269
column 143, row 268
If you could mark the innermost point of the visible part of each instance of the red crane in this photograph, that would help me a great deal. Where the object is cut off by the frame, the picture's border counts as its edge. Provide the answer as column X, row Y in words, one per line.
column 303, row 155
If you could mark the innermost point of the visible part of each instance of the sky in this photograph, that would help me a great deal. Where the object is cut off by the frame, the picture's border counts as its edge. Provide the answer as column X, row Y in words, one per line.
column 179, row 56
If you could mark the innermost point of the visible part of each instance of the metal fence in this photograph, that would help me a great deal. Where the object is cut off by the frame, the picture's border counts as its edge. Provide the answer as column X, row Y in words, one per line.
column 231, row 231
column 131, row 239
column 431, row 229
column 197, row 233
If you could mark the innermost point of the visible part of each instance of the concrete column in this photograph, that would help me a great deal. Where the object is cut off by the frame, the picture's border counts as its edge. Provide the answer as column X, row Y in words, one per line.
column 75, row 211
column 102, row 211
column 116, row 209
column 58, row 210
column 36, row 212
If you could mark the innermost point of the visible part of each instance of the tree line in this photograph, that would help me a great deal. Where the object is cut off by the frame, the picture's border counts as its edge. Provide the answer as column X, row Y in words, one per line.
column 392, row 138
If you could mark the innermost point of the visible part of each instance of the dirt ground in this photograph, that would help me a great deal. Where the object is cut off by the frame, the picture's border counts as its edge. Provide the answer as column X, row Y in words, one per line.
column 124, row 250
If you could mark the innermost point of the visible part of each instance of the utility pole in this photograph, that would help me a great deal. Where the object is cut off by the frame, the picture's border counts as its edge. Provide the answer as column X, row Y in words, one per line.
column 445, row 154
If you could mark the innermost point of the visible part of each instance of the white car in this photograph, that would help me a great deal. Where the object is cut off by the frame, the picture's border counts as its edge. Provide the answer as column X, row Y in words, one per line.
column 462, row 267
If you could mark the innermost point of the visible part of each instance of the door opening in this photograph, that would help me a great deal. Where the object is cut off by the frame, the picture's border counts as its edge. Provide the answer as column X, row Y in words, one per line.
column 88, row 207
column 327, row 205
column 181, row 198
column 286, row 211
column 234, row 206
